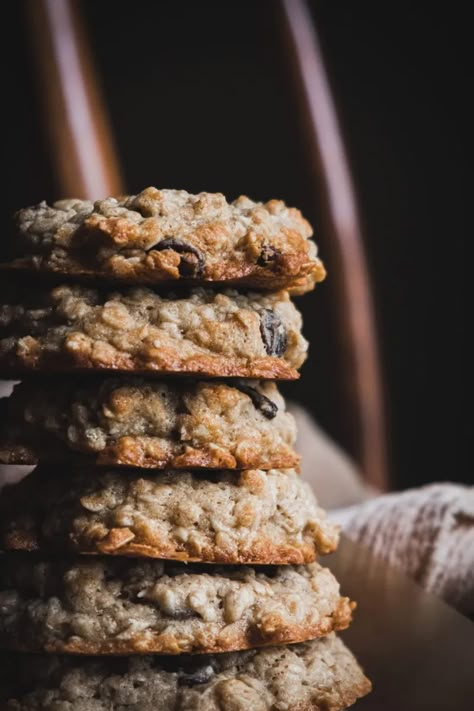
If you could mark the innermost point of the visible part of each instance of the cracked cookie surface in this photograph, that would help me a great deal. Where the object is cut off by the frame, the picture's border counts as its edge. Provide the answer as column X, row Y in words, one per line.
column 310, row 676
column 252, row 516
column 202, row 332
column 163, row 236
column 121, row 606
column 152, row 424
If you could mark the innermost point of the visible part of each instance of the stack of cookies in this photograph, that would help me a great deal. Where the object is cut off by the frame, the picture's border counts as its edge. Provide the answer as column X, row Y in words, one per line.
column 162, row 555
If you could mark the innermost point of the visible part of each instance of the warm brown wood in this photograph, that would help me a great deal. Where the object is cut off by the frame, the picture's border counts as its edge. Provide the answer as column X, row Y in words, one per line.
column 75, row 118
column 417, row 650
column 360, row 365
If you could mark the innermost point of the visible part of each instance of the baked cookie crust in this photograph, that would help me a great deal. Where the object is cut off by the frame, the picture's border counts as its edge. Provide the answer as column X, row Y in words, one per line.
column 254, row 516
column 150, row 424
column 165, row 236
column 120, row 606
column 201, row 332
column 311, row 676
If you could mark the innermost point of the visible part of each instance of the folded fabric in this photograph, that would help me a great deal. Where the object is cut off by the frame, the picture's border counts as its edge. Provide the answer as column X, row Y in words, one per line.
column 426, row 532
column 324, row 464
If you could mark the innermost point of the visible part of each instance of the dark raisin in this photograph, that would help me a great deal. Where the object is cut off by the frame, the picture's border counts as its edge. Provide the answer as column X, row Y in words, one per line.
column 274, row 336
column 182, row 614
column 261, row 402
column 199, row 675
column 190, row 265
column 268, row 256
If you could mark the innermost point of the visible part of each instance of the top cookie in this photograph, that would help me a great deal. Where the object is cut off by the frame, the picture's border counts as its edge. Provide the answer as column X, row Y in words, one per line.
column 163, row 236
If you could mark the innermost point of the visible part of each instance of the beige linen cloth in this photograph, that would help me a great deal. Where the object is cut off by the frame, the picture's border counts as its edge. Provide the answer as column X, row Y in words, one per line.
column 426, row 532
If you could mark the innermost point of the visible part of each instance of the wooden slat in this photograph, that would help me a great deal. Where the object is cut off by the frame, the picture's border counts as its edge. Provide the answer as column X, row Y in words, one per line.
column 75, row 117
column 355, row 314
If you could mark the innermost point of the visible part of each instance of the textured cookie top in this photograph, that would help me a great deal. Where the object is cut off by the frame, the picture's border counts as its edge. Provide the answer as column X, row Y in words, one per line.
column 199, row 333
column 154, row 424
column 248, row 517
column 107, row 606
column 321, row 674
column 161, row 236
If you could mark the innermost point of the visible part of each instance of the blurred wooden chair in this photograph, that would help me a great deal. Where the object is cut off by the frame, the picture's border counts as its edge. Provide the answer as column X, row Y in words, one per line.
column 361, row 369
column 86, row 166
column 80, row 137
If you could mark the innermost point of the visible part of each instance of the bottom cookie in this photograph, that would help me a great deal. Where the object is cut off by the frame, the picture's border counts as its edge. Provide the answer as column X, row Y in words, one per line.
column 321, row 674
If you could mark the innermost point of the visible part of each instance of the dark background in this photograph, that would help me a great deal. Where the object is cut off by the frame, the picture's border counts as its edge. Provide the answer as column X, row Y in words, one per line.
column 200, row 98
